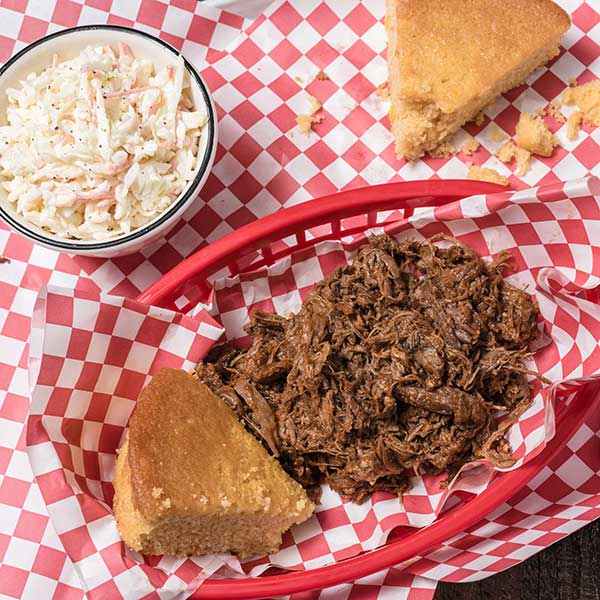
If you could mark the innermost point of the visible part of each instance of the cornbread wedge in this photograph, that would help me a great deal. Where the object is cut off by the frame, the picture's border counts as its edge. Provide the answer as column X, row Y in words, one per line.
column 191, row 480
column 448, row 59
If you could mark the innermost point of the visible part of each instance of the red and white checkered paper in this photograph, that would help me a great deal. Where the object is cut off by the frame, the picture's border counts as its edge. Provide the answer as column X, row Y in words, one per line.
column 261, row 74
column 89, row 360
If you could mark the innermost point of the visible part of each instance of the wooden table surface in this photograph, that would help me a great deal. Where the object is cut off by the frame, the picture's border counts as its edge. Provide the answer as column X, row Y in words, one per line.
column 568, row 570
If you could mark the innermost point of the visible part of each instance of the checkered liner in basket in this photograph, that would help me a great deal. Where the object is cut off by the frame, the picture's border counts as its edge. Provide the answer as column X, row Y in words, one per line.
column 97, row 354
column 90, row 357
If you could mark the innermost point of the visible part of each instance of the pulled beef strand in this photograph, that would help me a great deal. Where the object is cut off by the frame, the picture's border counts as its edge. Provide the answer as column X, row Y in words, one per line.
column 394, row 365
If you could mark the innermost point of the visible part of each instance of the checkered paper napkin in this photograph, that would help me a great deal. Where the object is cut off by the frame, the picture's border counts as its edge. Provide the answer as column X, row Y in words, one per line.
column 90, row 357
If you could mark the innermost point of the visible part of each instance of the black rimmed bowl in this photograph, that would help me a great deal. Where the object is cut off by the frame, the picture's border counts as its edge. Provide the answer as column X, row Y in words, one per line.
column 68, row 43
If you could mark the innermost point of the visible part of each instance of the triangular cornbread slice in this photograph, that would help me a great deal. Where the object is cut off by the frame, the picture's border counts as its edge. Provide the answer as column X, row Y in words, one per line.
column 448, row 59
column 191, row 480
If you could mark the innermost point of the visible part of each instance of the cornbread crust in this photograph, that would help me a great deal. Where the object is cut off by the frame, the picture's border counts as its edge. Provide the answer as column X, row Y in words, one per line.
column 448, row 60
column 191, row 480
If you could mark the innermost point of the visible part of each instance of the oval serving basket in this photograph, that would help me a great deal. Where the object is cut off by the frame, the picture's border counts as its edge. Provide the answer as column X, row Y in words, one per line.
column 334, row 217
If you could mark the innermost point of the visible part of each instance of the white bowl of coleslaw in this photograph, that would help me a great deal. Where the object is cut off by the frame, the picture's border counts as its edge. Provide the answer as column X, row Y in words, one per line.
column 107, row 134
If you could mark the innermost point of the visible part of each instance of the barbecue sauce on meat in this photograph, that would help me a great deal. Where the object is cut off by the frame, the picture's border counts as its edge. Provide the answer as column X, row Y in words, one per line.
column 395, row 364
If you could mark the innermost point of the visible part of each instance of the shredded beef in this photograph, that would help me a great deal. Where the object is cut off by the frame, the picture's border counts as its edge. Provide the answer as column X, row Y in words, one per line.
column 394, row 365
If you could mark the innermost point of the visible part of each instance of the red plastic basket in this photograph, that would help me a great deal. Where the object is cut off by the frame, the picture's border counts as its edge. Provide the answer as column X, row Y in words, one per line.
column 333, row 217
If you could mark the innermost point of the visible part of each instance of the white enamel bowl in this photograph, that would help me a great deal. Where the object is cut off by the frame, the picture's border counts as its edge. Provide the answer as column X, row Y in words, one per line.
column 68, row 43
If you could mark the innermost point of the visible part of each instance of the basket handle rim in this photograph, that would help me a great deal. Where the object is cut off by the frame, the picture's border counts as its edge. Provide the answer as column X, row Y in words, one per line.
column 288, row 221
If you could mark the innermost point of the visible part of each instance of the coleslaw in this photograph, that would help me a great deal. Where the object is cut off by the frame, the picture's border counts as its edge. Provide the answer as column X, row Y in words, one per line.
column 99, row 145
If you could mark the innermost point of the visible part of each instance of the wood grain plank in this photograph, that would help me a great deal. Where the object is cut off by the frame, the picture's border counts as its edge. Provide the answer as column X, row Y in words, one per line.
column 568, row 570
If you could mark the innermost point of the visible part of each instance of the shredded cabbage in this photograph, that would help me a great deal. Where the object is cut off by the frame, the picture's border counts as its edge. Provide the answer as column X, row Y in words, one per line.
column 99, row 145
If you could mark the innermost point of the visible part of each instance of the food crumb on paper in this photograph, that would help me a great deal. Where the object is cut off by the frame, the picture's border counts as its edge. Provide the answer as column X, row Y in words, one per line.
column 315, row 105
column 470, row 146
column 533, row 135
column 574, row 124
column 484, row 174
column 479, row 119
column 3, row 260
column 587, row 99
column 510, row 150
column 553, row 110
column 306, row 121
column 298, row 79
column 322, row 76
column 497, row 134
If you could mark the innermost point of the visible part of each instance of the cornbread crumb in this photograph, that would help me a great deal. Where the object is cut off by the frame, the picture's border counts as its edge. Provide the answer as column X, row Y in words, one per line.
column 470, row 146
column 166, row 503
column 383, row 90
column 533, row 135
column 299, row 79
column 315, row 105
column 574, row 124
column 506, row 152
column 305, row 122
column 156, row 492
column 510, row 150
column 497, row 134
column 479, row 119
column 322, row 76
column 553, row 110
column 225, row 502
column 484, row 174
column 587, row 99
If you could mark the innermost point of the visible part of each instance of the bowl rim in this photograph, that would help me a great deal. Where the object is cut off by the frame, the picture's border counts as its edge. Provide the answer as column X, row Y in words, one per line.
column 191, row 189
